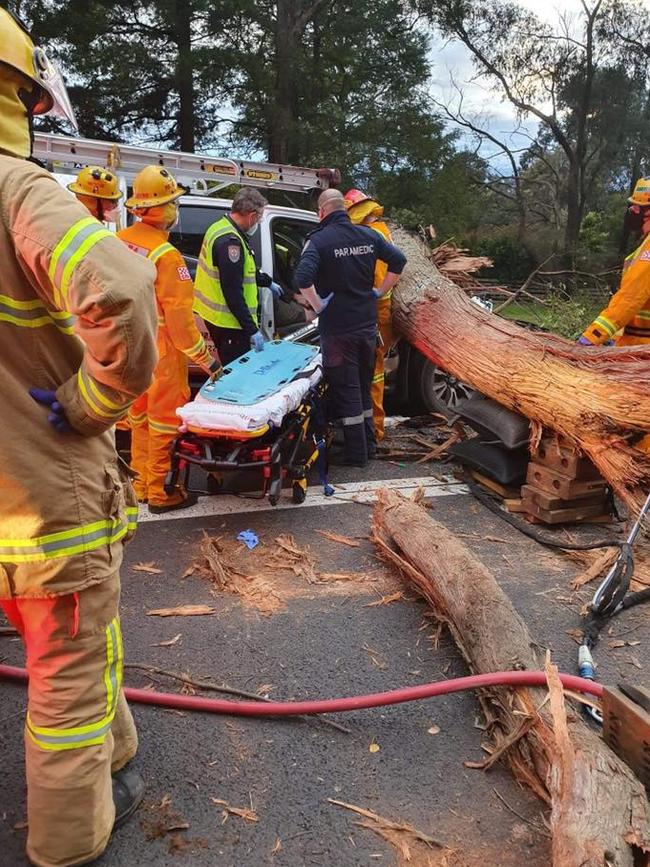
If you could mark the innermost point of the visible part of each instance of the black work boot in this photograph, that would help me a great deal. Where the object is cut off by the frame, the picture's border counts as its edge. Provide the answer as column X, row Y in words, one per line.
column 128, row 792
column 185, row 503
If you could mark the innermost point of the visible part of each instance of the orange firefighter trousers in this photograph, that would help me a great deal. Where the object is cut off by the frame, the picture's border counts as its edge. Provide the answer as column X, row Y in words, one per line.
column 385, row 325
column 79, row 728
column 154, row 423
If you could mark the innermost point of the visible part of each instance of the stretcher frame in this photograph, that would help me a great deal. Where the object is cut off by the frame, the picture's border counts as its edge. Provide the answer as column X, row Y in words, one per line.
column 276, row 452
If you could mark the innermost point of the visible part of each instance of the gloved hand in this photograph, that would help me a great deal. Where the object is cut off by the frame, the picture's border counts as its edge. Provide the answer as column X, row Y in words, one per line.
column 277, row 290
column 582, row 341
column 57, row 417
column 377, row 294
column 324, row 302
column 257, row 341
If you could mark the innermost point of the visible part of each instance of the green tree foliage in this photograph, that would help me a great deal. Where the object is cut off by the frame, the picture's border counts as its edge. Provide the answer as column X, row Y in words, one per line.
column 140, row 71
column 340, row 84
column 584, row 83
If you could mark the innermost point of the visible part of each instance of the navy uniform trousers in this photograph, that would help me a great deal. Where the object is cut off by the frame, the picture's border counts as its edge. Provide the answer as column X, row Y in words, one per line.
column 349, row 363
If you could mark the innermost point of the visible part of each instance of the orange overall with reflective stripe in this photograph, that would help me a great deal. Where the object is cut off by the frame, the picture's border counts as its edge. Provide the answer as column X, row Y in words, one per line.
column 152, row 417
column 385, row 326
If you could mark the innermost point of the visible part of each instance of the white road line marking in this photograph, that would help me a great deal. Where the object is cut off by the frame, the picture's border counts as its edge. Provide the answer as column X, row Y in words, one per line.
column 346, row 492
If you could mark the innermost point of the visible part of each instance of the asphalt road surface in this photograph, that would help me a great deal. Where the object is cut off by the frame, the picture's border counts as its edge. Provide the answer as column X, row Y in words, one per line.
column 289, row 638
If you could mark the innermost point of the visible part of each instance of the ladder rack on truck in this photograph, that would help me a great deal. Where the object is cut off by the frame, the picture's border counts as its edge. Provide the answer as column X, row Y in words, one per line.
column 204, row 175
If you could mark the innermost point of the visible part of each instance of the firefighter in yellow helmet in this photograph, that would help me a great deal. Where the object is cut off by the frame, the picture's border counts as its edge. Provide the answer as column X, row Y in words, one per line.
column 99, row 191
column 365, row 211
column 152, row 417
column 72, row 300
column 629, row 309
column 626, row 319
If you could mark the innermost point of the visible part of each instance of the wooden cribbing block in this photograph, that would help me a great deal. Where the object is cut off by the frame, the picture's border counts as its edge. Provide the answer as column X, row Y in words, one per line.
column 552, row 501
column 497, row 487
column 559, row 484
column 565, row 460
column 563, row 516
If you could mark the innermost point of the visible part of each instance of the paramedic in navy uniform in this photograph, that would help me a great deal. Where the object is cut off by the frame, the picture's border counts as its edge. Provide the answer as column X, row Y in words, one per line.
column 336, row 275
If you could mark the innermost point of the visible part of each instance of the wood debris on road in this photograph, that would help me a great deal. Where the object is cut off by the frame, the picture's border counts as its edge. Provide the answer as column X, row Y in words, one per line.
column 182, row 611
column 149, row 568
column 401, row 835
column 245, row 813
column 343, row 540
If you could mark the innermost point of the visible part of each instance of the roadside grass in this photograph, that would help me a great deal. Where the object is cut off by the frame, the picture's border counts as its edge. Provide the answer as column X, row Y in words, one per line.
column 561, row 313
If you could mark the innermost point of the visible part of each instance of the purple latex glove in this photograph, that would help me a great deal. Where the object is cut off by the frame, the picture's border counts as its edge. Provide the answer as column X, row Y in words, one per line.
column 57, row 417
column 582, row 341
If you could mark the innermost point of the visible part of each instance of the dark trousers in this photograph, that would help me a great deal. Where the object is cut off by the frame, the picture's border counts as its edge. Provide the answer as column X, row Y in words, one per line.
column 349, row 363
column 230, row 343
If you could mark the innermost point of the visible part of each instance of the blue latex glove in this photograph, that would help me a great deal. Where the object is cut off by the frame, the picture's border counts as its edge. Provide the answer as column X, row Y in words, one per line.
column 277, row 290
column 249, row 539
column 324, row 302
column 582, row 341
column 57, row 417
column 377, row 294
column 257, row 341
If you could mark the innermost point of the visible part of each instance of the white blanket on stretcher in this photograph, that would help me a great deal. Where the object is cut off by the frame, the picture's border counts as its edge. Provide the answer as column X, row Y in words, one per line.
column 223, row 415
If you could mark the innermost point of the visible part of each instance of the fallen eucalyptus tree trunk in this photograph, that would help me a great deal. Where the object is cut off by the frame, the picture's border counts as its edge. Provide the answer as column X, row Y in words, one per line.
column 600, row 816
column 597, row 397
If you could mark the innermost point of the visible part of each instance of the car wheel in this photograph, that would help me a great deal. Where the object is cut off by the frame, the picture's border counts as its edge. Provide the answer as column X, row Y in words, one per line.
column 440, row 391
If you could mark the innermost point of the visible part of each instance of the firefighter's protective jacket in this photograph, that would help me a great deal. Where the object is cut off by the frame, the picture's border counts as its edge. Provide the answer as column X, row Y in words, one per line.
column 77, row 316
column 381, row 268
column 629, row 308
column 174, row 292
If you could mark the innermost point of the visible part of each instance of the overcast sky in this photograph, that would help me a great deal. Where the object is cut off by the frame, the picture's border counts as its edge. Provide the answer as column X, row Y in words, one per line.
column 479, row 102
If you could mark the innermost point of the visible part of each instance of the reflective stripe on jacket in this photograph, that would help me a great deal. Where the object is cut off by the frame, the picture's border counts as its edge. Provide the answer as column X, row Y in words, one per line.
column 629, row 308
column 209, row 300
column 174, row 292
column 76, row 317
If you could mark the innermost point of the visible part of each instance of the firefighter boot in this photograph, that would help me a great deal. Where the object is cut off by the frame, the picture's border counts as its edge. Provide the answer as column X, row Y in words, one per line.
column 128, row 791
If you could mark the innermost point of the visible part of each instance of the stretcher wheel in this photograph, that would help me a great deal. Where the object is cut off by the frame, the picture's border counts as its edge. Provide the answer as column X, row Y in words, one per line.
column 299, row 491
column 274, row 499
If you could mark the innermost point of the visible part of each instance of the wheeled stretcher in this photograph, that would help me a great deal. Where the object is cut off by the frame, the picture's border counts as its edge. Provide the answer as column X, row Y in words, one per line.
column 264, row 414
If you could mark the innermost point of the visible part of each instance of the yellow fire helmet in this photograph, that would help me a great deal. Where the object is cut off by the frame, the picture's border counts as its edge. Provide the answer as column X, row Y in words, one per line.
column 18, row 52
column 98, row 182
column 641, row 194
column 154, row 185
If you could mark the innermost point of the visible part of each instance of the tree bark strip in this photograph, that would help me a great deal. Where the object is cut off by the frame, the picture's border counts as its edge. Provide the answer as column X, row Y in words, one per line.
column 599, row 810
column 597, row 397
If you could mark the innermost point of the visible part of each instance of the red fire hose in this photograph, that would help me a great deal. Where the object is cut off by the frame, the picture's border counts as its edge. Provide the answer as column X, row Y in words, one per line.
column 335, row 705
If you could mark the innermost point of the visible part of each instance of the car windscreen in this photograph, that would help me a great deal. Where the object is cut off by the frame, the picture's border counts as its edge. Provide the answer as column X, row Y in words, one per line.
column 193, row 220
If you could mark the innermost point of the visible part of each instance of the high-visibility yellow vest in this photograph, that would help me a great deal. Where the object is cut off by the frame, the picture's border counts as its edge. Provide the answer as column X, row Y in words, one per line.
column 209, row 300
